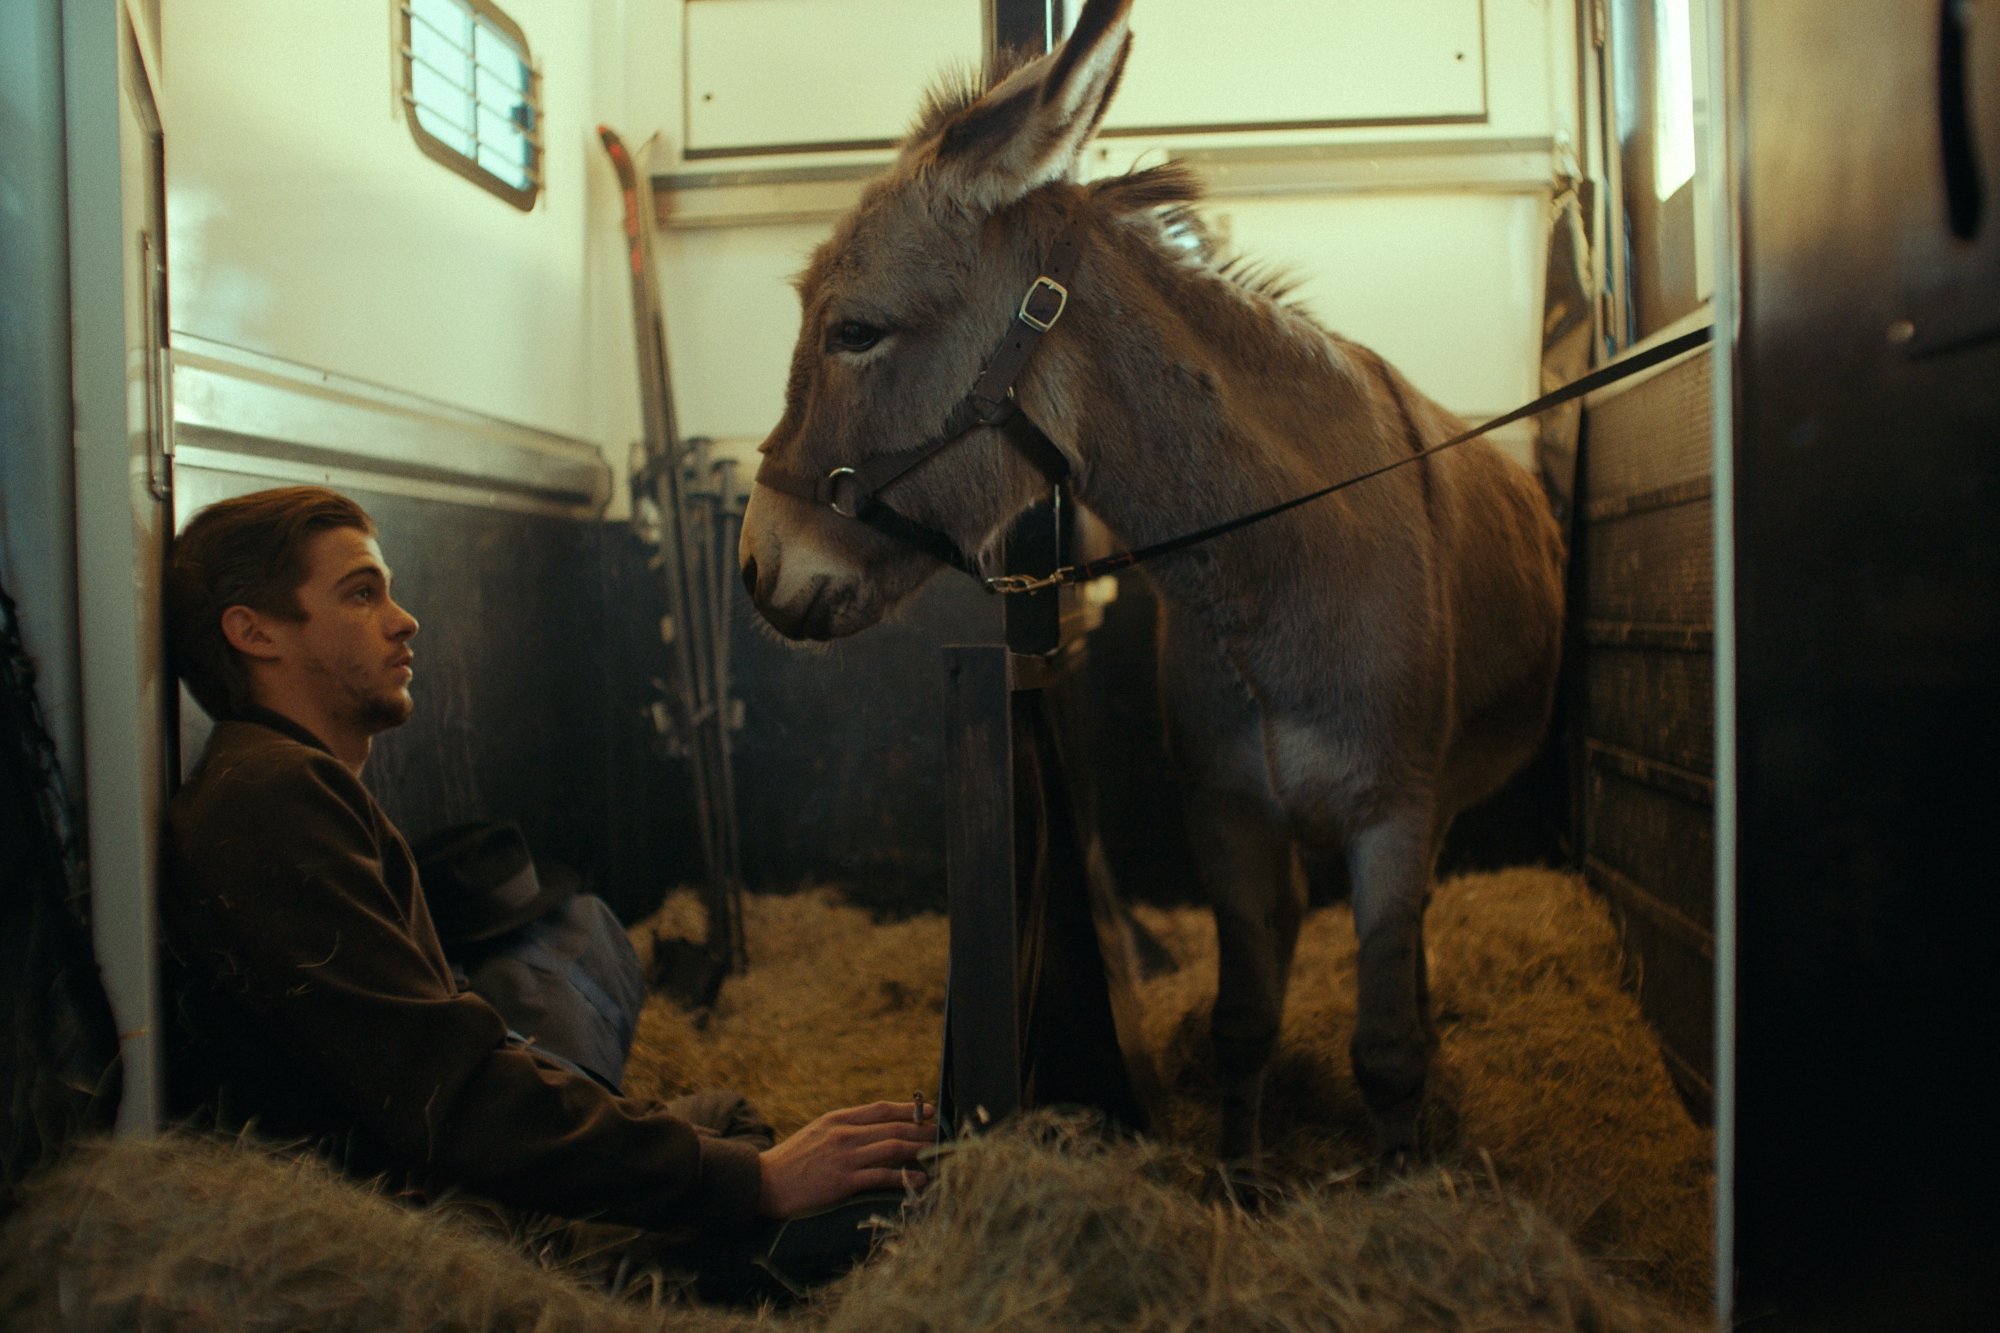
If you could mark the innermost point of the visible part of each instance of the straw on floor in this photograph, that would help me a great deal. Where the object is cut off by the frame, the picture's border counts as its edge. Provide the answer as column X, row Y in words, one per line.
column 1571, row 1191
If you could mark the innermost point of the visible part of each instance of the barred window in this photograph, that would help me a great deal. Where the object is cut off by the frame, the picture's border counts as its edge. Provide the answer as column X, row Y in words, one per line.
column 472, row 94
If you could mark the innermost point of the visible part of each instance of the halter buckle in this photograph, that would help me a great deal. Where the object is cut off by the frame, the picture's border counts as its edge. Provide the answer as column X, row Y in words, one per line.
column 1008, row 584
column 1041, row 285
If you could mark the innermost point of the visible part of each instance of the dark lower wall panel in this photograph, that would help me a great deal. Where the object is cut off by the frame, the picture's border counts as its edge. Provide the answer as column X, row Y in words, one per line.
column 840, row 761
column 1658, row 433
column 1642, row 638
column 1673, row 970
column 530, row 687
column 1654, row 703
column 1661, row 839
column 1654, row 566
column 536, row 665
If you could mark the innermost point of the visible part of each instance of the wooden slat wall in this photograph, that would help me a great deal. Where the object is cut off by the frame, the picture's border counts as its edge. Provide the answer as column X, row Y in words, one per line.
column 1646, row 686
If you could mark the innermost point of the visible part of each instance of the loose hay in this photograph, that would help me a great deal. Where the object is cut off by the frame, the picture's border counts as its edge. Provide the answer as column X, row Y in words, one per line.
column 1544, row 1062
column 1049, row 1228
column 1571, row 1191
column 1545, row 1066
column 184, row 1232
column 836, row 1009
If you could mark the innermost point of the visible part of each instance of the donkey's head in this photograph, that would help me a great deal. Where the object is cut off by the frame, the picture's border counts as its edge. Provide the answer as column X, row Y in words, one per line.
column 903, row 305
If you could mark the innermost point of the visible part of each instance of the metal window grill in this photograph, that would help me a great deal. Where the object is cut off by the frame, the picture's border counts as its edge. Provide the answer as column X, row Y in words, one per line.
column 472, row 94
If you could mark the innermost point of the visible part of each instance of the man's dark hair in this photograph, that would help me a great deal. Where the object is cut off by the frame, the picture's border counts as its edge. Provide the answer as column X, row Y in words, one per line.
column 249, row 551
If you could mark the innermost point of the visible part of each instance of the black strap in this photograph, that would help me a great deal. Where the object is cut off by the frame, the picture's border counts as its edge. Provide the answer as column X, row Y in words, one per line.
column 1026, row 437
column 1597, row 379
column 908, row 531
column 852, row 489
column 1041, row 306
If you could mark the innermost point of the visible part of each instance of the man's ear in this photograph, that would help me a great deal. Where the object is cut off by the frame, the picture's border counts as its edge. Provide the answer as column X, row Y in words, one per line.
column 248, row 633
column 1030, row 128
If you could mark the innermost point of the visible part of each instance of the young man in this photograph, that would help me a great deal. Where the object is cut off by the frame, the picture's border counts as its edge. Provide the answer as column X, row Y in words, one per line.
column 311, row 994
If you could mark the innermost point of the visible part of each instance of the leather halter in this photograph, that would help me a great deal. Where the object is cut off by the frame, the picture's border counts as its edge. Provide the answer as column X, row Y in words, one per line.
column 854, row 490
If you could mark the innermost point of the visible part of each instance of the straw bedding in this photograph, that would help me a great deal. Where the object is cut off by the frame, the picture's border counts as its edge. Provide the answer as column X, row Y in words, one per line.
column 1571, row 1191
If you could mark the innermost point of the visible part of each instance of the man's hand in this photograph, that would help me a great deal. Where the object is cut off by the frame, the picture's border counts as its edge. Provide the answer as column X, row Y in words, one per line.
column 842, row 1153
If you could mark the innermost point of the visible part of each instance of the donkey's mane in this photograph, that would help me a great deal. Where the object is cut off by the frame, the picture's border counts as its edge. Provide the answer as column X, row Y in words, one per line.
column 1168, row 185
column 1260, row 277
column 1168, row 193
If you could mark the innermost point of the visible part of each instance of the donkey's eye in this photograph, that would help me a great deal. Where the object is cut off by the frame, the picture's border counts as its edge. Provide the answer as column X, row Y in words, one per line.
column 851, row 335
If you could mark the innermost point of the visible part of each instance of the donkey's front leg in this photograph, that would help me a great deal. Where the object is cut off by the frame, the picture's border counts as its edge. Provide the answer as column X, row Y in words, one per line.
column 1257, row 888
column 1391, row 864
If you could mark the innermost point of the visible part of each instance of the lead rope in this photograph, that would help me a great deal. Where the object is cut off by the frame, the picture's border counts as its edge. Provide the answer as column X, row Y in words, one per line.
column 1066, row 575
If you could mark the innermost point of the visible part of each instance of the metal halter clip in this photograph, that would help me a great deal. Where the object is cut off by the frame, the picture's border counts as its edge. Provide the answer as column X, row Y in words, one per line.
column 832, row 486
column 1036, row 322
column 1006, row 584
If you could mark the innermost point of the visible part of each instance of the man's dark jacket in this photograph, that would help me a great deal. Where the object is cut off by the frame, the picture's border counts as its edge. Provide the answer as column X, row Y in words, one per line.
column 312, row 997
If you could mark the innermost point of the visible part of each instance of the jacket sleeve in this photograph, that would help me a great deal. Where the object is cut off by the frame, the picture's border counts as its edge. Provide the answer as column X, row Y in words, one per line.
column 281, row 899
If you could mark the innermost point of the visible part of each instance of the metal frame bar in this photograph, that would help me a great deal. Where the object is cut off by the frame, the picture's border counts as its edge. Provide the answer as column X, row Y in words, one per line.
column 122, row 530
column 240, row 411
column 1724, row 154
column 821, row 192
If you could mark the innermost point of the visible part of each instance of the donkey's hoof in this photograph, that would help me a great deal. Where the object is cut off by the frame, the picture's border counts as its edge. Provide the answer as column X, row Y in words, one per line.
column 1392, row 1164
column 1244, row 1185
column 1419, row 1135
column 1396, row 1136
column 1440, row 1124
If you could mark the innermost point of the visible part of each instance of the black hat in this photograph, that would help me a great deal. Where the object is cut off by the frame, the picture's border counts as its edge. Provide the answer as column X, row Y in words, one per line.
column 481, row 881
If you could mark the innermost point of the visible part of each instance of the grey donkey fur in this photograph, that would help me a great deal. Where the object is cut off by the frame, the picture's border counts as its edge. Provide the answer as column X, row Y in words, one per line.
column 1339, row 682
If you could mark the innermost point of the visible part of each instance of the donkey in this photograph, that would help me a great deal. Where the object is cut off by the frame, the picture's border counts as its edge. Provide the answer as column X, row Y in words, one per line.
column 1339, row 681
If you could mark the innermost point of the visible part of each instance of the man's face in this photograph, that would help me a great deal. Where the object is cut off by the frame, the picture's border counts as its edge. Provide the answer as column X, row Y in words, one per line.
column 352, row 651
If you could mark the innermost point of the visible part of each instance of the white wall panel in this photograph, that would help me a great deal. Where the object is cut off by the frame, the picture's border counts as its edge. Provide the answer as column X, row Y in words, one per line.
column 1302, row 62
column 1447, row 287
column 306, row 225
column 732, row 317
column 1424, row 240
column 767, row 74
column 1253, row 64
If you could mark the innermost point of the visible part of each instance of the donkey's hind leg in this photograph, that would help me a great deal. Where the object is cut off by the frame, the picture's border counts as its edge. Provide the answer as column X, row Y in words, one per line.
column 1257, row 889
column 1394, row 1039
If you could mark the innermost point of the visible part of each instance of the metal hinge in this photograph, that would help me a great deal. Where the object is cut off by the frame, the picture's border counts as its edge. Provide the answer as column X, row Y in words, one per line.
column 159, row 382
column 1599, row 24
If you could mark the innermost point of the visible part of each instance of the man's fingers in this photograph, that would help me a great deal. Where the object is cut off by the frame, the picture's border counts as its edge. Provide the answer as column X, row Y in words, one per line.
column 906, row 1131
column 889, row 1178
column 874, row 1113
column 866, row 1142
column 887, row 1152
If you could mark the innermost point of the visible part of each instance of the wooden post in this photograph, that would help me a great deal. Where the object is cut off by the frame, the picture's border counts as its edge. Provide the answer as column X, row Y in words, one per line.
column 982, row 1025
column 1032, row 1008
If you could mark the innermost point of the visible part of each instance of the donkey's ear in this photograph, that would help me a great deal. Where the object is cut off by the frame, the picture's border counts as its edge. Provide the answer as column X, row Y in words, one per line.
column 1029, row 129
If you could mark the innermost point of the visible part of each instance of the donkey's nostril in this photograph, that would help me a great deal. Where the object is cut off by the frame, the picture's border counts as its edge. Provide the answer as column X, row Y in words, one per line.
column 750, row 576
